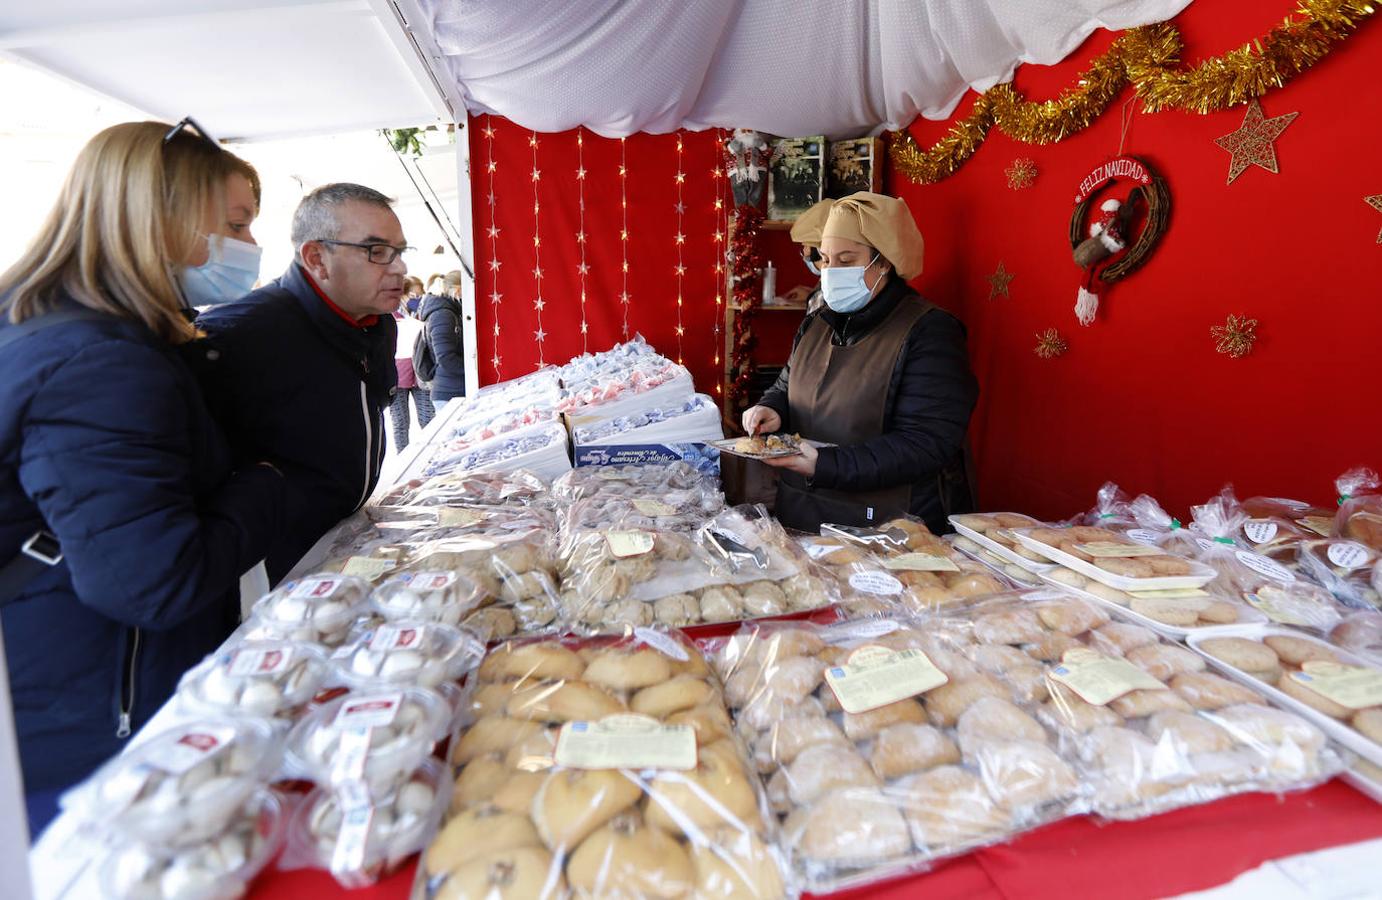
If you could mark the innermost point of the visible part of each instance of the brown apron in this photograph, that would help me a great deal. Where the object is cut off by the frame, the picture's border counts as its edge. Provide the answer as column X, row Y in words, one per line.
column 840, row 395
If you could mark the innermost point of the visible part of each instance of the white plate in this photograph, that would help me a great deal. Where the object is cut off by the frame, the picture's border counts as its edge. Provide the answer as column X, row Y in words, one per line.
column 1201, row 574
column 994, row 567
column 1179, row 632
column 999, row 550
column 1336, row 729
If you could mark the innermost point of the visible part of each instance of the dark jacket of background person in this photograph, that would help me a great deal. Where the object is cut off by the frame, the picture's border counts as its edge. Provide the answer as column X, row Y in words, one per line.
column 291, row 378
column 442, row 317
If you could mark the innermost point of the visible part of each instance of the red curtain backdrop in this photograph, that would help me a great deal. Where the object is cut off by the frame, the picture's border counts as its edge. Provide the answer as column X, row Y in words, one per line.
column 1141, row 396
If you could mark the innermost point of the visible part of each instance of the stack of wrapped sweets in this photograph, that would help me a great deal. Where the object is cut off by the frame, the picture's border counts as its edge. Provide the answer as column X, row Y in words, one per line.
column 985, row 537
column 733, row 567
column 602, row 767
column 887, row 743
column 696, row 420
column 541, row 448
column 647, row 382
column 898, row 565
column 633, row 482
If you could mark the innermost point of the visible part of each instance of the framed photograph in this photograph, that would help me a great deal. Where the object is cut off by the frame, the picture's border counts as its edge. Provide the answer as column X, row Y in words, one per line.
column 796, row 181
column 855, row 165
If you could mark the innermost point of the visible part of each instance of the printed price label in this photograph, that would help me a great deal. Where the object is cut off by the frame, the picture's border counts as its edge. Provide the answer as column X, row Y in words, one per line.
column 428, row 581
column 194, row 745
column 393, row 637
column 352, row 753
column 624, row 544
column 654, row 508
column 459, row 517
column 316, row 587
column 1260, row 531
column 1349, row 554
column 626, row 741
column 853, row 631
column 1277, row 605
column 249, row 662
column 1356, row 687
column 660, row 642
column 875, row 676
column 370, row 711
column 610, row 474
column 1100, row 679
column 352, row 842
column 920, row 562
column 1268, row 568
column 367, row 567
column 880, row 583
column 1143, row 536
column 1116, row 550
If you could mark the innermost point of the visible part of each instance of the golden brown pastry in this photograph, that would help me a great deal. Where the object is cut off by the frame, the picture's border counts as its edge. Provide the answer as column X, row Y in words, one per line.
column 948, row 807
column 573, row 803
column 864, row 725
column 1178, row 613
column 1070, row 616
column 785, row 741
column 1136, row 704
column 1368, row 723
column 1243, row 654
column 1220, row 612
column 515, row 794
column 540, row 661
column 620, row 669
column 1021, row 774
column 629, row 859
column 852, row 826
column 710, row 721
column 1016, row 626
column 492, row 734
column 1266, row 727
column 820, row 769
column 997, row 658
column 1315, row 700
column 476, row 832
column 1068, row 710
column 1188, row 732
column 568, row 701
column 945, row 703
column 1118, row 638
column 992, row 719
column 720, row 775
column 1295, row 651
column 1128, row 770
column 906, row 748
column 1051, row 647
column 1204, row 690
column 1162, row 661
column 490, row 699
column 478, row 781
column 735, row 865
column 682, row 692
column 518, row 873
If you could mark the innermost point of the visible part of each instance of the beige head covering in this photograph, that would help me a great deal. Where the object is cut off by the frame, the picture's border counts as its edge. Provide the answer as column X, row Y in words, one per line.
column 882, row 222
column 807, row 228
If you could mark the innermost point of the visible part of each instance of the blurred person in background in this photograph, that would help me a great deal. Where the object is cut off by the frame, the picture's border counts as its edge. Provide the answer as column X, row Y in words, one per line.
column 409, row 333
column 442, row 317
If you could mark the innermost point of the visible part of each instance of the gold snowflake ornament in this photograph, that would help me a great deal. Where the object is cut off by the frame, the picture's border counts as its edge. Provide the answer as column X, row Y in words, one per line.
column 1235, row 337
column 1021, row 173
column 1050, row 344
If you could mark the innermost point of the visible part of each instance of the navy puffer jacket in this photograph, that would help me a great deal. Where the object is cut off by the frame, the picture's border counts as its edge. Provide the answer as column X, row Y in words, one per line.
column 105, row 439
column 442, row 318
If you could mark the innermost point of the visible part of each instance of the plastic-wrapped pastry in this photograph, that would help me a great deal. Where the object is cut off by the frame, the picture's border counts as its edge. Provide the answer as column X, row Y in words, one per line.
column 258, row 678
column 316, row 609
column 949, row 808
column 853, row 826
column 424, row 654
column 377, row 737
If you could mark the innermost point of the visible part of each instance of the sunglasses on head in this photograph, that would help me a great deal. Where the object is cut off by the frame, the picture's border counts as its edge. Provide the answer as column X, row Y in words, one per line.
column 189, row 123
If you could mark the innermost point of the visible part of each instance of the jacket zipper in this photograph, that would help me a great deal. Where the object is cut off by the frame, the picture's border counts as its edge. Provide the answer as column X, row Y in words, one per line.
column 369, row 444
column 127, row 686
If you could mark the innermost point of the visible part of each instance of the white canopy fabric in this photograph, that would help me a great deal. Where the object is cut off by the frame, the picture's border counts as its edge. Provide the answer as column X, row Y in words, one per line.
column 790, row 67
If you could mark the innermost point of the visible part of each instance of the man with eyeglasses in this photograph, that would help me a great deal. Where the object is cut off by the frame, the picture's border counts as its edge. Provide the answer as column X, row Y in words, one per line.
column 301, row 370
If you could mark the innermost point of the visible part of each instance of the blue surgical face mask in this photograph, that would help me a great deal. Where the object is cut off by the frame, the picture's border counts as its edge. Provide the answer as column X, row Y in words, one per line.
column 229, row 273
column 844, row 288
column 811, row 264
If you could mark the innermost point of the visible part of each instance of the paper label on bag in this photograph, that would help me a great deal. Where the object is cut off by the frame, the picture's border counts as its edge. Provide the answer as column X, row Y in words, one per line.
column 1268, row 568
column 624, row 544
column 392, row 637
column 1349, row 555
column 352, row 842
column 1321, row 525
column 352, row 753
column 1171, row 594
column 1100, row 679
column 817, row 551
column 371, row 711
column 367, row 567
column 880, row 583
column 660, row 642
column 626, row 741
column 193, row 746
column 654, row 508
column 610, row 474
column 1260, row 531
column 920, row 562
column 1143, row 536
column 460, row 518
column 1275, row 605
column 853, row 631
column 316, row 587
column 1116, row 550
column 1356, row 687
column 428, row 581
column 259, row 662
column 875, row 676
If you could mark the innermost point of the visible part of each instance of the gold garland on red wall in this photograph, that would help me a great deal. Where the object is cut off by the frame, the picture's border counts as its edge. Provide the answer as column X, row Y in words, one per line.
column 1149, row 59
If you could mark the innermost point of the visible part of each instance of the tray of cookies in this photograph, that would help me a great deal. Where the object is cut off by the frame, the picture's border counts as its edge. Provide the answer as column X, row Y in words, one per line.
column 1175, row 613
column 988, row 532
column 993, row 562
column 602, row 767
column 1338, row 690
column 1113, row 559
column 884, row 747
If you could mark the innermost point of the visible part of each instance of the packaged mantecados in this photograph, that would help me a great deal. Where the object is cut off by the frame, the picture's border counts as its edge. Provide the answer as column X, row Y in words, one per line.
column 884, row 745
column 416, row 653
column 377, row 736
column 602, row 767
column 1112, row 509
column 318, row 609
column 678, row 509
column 181, row 786
column 1345, row 567
column 985, row 537
column 216, row 866
column 428, row 596
column 518, row 487
column 630, row 481
column 1360, row 508
column 734, row 567
column 1360, row 632
column 273, row 679
column 360, row 836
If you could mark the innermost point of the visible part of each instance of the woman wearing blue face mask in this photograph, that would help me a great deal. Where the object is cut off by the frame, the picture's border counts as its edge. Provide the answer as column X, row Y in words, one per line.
column 123, row 527
column 877, row 372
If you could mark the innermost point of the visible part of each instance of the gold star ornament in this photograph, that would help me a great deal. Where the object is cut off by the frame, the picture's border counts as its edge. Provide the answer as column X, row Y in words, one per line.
column 999, row 281
column 1375, row 201
column 1252, row 144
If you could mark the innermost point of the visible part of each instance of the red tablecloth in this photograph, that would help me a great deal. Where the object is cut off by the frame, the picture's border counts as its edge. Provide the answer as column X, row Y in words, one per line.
column 1186, row 850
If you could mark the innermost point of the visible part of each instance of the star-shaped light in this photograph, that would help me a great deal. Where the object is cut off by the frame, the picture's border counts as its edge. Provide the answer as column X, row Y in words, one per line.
column 999, row 281
column 623, row 170
column 624, row 235
column 580, row 237
column 681, row 177
column 537, row 174
column 537, row 241
column 681, row 270
column 491, row 166
column 539, row 304
column 681, row 239
column 679, row 207
column 584, row 327
column 495, row 297
column 532, row 140
column 537, row 272
column 493, row 232
column 583, row 269
column 494, row 265
column 680, row 331
column 719, row 204
column 624, row 297
column 496, row 361
column 489, row 131
column 626, row 266
column 491, row 198
column 1375, row 201
column 1252, row 144
column 580, row 174
column 496, row 329
column 540, row 335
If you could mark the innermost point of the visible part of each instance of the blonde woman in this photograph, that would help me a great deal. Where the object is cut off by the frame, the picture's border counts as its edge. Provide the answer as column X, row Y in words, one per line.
column 123, row 529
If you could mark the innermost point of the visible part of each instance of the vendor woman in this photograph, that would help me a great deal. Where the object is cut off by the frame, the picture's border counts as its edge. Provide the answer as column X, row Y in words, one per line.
column 878, row 373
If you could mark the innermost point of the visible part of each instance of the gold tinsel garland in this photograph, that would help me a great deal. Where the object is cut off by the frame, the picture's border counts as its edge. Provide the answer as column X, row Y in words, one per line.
column 1149, row 59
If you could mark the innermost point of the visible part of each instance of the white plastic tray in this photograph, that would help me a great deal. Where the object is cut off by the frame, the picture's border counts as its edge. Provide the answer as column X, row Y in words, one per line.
column 1201, row 576
column 1364, row 784
column 1179, row 632
column 1336, row 729
column 999, row 550
column 992, row 566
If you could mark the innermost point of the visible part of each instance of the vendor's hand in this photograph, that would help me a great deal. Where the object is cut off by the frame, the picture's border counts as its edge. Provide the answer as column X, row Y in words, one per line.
column 804, row 464
column 761, row 420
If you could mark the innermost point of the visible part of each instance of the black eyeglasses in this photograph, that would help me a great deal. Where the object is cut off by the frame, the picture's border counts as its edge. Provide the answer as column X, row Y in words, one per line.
column 379, row 254
column 190, row 123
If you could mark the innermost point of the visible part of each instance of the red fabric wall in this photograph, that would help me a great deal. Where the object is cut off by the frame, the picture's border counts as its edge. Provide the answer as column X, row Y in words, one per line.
column 1141, row 397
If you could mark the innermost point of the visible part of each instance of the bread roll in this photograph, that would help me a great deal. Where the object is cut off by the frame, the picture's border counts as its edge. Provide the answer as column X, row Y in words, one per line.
column 1136, row 704
column 569, row 701
column 735, row 865
column 906, row 748
column 993, row 719
column 1015, row 626
column 1118, row 638
column 1204, row 690
column 1368, row 723
column 573, row 803
column 946, row 703
column 1241, row 653
column 1291, row 687
column 852, row 826
column 1022, row 774
column 822, row 768
column 1162, row 661
column 1188, row 732
column 541, row 661
column 475, row 833
column 682, row 692
column 864, row 725
column 518, row 873
column 628, row 859
column 1295, row 651
column 703, row 797
column 1070, row 616
column 948, row 807
column 621, row 669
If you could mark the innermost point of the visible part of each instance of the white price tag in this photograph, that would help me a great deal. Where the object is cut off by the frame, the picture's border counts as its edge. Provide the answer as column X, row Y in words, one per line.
column 623, row 544
column 1349, row 554
column 880, row 583
column 428, row 581
column 195, row 744
column 392, row 637
column 1260, row 531
column 1268, row 568
column 316, row 587
column 1143, row 536
column 853, row 631
column 245, row 663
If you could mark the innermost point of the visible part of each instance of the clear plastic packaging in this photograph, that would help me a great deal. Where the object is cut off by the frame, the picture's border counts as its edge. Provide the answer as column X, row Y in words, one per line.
column 1345, row 568
column 181, row 786
column 359, row 837
column 631, row 482
column 1360, row 632
column 1360, row 508
column 518, row 487
column 408, row 653
column 219, row 866
column 373, row 736
column 938, row 757
column 988, row 534
column 665, row 805
column 436, row 596
column 675, row 509
column 1112, row 508
column 255, row 678
column 317, row 609
column 1176, row 613
column 1113, row 559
